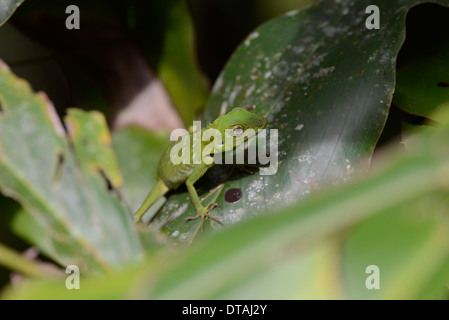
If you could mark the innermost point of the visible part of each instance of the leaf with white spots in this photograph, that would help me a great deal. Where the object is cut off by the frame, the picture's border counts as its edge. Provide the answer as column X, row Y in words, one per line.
column 325, row 82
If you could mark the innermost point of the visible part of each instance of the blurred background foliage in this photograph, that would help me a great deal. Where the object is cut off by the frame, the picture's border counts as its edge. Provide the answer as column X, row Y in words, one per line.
column 149, row 66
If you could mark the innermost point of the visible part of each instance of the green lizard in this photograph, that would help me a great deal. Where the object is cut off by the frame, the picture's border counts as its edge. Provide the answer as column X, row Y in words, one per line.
column 170, row 176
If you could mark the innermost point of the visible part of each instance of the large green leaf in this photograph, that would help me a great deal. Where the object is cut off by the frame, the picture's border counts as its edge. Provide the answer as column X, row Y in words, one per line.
column 70, row 215
column 406, row 263
column 326, row 83
column 7, row 8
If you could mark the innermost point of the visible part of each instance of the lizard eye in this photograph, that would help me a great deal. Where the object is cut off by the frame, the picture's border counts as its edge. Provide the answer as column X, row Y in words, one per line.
column 237, row 130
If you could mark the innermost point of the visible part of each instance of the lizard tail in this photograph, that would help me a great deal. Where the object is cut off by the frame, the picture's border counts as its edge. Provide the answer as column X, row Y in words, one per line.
column 157, row 192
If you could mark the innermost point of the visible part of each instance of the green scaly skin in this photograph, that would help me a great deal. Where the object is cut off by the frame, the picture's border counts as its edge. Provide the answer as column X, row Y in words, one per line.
column 170, row 176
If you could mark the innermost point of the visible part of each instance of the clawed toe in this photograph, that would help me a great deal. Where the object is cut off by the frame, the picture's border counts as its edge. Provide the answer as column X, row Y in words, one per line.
column 211, row 206
column 205, row 215
column 193, row 218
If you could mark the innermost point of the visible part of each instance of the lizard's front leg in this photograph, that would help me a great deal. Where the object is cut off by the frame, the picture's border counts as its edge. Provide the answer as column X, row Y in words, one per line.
column 203, row 212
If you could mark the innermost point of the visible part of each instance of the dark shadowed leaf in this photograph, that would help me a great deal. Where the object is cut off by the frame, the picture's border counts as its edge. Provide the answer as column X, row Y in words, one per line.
column 422, row 85
column 7, row 8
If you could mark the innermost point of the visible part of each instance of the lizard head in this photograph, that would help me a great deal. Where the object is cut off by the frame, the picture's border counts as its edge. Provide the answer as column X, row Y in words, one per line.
column 236, row 127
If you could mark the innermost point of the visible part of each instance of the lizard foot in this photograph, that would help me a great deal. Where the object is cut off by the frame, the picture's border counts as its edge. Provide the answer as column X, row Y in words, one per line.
column 205, row 215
